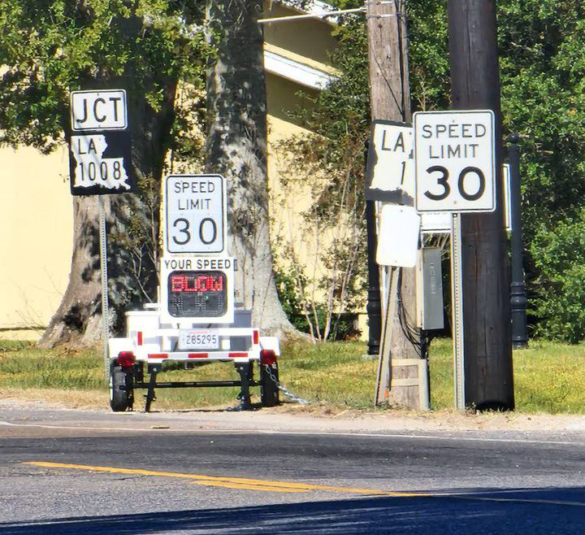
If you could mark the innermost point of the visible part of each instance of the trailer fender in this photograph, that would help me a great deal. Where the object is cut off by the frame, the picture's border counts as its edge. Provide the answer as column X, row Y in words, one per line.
column 118, row 345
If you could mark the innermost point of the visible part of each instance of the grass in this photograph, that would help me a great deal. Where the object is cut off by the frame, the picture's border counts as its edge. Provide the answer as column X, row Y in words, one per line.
column 549, row 377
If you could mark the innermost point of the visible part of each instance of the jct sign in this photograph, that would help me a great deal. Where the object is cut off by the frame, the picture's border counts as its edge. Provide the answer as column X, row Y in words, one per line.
column 455, row 161
column 99, row 110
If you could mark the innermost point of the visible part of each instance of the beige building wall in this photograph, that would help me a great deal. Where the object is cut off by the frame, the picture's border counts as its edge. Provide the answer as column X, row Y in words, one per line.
column 36, row 218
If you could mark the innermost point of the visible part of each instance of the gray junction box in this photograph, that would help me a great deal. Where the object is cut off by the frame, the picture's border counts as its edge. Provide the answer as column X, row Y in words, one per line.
column 429, row 296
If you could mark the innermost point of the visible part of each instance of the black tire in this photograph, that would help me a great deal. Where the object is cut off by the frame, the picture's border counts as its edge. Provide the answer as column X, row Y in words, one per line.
column 269, row 393
column 121, row 399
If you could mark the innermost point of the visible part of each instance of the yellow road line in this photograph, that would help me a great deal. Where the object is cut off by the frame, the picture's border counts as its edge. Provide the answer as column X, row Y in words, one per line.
column 275, row 485
column 282, row 486
column 264, row 488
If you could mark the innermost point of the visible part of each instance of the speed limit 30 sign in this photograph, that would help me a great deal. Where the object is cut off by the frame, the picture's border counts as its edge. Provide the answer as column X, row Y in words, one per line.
column 195, row 214
column 455, row 161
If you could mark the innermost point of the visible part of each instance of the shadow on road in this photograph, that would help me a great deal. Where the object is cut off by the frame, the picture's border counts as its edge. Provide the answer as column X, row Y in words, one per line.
column 486, row 512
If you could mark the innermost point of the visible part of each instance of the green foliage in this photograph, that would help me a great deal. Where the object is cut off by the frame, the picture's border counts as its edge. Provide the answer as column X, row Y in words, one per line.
column 559, row 257
column 50, row 47
column 542, row 58
column 427, row 54
column 291, row 299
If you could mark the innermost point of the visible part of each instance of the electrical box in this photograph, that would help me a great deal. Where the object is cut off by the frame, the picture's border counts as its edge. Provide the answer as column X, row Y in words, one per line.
column 429, row 289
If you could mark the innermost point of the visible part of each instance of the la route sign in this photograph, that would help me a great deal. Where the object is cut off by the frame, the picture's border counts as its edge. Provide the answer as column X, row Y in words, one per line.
column 455, row 164
column 390, row 167
column 195, row 214
column 100, row 157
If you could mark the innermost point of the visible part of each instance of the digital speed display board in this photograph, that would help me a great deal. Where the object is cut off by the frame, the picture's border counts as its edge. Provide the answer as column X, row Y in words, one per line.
column 197, row 294
column 197, row 288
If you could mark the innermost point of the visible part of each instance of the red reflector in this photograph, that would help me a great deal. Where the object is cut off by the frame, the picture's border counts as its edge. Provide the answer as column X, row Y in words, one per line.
column 139, row 337
column 237, row 355
column 198, row 355
column 158, row 356
column 268, row 357
column 256, row 338
column 126, row 359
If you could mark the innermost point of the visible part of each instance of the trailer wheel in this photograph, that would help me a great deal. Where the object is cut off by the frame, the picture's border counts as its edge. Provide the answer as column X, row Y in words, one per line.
column 121, row 399
column 268, row 388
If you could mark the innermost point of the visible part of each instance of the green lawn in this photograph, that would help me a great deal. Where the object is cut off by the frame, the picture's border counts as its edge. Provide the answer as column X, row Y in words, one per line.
column 548, row 377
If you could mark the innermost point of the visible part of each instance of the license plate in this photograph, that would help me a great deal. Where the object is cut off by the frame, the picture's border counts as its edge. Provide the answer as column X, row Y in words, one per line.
column 198, row 340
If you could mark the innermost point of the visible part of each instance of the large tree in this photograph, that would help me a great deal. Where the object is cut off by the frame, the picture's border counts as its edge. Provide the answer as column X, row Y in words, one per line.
column 51, row 47
column 236, row 148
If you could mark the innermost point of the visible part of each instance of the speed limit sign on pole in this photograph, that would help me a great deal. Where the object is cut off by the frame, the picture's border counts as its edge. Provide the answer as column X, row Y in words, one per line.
column 195, row 214
column 455, row 161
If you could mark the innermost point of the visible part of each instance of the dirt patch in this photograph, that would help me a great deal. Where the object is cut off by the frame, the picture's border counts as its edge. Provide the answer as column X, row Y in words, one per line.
column 444, row 420
column 54, row 398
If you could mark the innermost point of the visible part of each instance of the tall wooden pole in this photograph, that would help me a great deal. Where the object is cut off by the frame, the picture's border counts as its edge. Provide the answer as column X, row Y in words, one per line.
column 486, row 290
column 390, row 100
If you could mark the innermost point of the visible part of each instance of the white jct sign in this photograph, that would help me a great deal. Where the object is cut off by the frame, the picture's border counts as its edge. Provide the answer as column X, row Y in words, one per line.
column 455, row 161
column 99, row 110
column 195, row 214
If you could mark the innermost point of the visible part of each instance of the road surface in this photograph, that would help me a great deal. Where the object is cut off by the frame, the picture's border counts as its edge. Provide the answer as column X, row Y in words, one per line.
column 93, row 472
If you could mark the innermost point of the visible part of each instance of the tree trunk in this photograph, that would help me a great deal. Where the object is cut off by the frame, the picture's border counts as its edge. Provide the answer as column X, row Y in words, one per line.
column 236, row 149
column 132, row 270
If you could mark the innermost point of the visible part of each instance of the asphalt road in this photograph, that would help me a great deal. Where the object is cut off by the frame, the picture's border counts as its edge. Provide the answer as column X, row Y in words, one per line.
column 97, row 473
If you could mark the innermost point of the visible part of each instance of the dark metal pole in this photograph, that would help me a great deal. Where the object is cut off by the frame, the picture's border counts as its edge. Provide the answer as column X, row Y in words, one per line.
column 518, row 299
column 486, row 290
column 373, row 308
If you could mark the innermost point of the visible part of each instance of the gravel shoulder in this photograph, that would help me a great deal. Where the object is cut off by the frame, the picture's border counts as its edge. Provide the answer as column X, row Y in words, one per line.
column 92, row 411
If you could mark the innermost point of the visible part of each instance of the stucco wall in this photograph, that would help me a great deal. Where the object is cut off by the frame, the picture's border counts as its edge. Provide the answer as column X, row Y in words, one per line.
column 36, row 222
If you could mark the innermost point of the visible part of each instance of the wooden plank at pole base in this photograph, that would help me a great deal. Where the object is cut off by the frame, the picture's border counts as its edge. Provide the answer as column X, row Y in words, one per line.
column 400, row 381
column 409, row 386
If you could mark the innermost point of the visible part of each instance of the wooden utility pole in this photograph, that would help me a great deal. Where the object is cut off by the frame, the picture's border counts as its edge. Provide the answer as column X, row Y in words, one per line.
column 486, row 289
column 390, row 100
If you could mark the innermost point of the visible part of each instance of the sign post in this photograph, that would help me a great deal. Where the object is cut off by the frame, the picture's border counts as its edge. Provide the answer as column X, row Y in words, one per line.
column 100, row 162
column 455, row 169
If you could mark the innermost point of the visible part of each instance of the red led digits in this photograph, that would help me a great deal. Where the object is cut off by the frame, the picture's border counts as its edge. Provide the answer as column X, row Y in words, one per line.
column 178, row 282
column 196, row 283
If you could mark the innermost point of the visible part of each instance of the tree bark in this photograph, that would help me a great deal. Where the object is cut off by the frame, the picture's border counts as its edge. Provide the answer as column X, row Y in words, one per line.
column 236, row 149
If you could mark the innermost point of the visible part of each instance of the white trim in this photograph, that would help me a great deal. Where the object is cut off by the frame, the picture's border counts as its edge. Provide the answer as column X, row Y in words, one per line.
column 316, row 16
column 295, row 71
column 313, row 7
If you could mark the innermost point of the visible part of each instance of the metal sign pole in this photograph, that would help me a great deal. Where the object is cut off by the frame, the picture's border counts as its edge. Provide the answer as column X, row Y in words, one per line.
column 457, row 310
column 104, row 270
